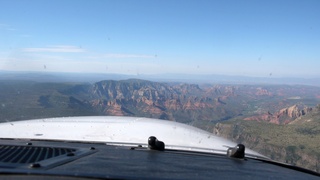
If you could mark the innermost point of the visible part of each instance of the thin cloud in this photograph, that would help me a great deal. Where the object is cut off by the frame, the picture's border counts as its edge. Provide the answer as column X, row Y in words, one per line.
column 127, row 56
column 7, row 27
column 56, row 49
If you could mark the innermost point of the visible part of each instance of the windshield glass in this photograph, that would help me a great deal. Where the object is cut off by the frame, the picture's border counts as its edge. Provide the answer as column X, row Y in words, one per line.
column 244, row 70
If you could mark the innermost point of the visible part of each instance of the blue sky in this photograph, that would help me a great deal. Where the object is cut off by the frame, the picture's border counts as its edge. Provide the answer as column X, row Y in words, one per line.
column 247, row 37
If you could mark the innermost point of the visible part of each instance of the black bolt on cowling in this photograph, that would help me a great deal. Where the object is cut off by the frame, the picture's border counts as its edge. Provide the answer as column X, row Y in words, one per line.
column 237, row 151
column 155, row 144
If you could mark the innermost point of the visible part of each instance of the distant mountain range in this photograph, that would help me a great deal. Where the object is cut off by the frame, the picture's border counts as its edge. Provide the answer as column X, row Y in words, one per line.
column 188, row 102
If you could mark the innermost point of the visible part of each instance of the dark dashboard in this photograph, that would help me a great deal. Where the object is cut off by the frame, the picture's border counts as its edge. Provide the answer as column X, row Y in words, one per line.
column 29, row 159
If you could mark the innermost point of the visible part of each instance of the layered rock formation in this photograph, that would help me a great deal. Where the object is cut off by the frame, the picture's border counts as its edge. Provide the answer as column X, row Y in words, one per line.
column 284, row 116
column 188, row 102
column 152, row 99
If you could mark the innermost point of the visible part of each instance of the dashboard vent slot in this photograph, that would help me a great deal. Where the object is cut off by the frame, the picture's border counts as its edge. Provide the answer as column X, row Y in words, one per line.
column 16, row 156
column 29, row 154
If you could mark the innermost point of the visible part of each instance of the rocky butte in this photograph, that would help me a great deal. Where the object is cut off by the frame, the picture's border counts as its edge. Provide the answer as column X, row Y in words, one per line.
column 284, row 116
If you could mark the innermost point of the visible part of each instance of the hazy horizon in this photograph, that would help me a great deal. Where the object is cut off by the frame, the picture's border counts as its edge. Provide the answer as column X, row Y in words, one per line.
column 187, row 78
